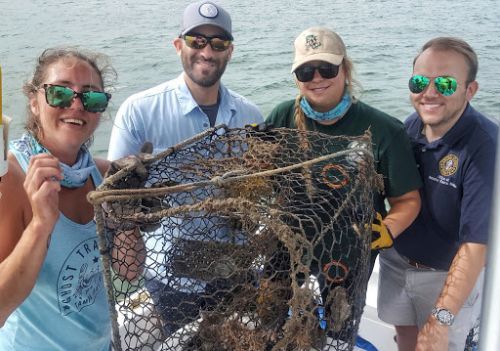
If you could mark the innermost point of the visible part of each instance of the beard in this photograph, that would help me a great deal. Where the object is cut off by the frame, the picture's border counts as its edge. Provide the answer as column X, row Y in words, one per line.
column 205, row 77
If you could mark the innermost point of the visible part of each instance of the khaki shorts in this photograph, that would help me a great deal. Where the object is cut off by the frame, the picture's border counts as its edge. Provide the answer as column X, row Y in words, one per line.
column 406, row 296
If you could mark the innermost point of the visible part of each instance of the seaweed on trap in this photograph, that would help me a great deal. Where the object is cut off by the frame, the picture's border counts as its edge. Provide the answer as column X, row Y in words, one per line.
column 268, row 230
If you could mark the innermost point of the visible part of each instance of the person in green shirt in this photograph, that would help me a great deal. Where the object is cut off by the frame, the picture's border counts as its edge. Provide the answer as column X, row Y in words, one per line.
column 326, row 103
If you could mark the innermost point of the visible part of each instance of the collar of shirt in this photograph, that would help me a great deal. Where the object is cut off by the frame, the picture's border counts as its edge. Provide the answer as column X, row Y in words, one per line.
column 461, row 127
column 227, row 108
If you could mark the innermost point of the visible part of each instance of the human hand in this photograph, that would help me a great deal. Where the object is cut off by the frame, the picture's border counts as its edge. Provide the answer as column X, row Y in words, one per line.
column 137, row 176
column 42, row 185
column 114, row 210
column 381, row 235
column 432, row 337
column 134, row 161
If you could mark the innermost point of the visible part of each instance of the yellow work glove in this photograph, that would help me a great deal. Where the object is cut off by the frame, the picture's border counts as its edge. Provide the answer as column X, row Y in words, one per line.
column 381, row 235
column 260, row 127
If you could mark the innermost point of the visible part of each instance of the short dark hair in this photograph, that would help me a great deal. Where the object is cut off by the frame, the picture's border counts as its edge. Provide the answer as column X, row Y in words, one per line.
column 459, row 46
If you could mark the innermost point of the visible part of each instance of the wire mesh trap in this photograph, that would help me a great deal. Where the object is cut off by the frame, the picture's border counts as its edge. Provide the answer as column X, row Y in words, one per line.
column 239, row 239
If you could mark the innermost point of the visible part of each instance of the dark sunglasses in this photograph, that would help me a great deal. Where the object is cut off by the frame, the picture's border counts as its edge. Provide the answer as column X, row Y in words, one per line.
column 199, row 41
column 62, row 97
column 305, row 73
column 445, row 85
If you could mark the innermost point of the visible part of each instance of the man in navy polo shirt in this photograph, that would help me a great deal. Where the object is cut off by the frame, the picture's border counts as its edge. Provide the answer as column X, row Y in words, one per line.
column 430, row 281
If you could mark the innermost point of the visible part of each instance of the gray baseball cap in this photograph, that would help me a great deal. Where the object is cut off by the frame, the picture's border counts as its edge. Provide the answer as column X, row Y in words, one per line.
column 205, row 12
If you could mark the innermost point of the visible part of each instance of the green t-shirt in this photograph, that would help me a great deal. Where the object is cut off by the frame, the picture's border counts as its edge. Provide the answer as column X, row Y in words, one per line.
column 391, row 146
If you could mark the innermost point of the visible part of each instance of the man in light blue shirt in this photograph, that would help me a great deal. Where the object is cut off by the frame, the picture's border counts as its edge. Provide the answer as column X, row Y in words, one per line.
column 170, row 113
column 179, row 109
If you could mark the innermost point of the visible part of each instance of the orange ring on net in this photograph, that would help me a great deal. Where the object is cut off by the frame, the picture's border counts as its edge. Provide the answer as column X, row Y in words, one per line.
column 337, row 264
column 335, row 185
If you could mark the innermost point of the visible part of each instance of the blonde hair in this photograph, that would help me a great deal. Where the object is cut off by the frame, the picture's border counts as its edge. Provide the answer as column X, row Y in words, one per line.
column 351, row 85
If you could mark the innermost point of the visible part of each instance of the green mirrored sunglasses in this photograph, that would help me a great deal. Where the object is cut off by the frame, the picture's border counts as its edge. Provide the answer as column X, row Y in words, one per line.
column 445, row 85
column 62, row 97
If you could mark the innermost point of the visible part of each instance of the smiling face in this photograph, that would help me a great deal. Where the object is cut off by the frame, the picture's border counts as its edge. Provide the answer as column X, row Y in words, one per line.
column 63, row 131
column 323, row 94
column 439, row 113
column 203, row 67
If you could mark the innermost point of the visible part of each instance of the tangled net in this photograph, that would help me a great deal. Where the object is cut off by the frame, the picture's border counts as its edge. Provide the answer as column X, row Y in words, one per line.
column 260, row 238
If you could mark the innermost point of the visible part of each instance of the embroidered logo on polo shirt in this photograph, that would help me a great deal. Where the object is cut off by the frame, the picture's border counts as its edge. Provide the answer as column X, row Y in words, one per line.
column 448, row 165
column 312, row 42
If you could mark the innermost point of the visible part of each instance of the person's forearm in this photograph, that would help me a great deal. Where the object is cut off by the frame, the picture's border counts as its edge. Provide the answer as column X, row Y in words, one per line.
column 19, row 270
column 462, row 276
column 404, row 210
column 128, row 254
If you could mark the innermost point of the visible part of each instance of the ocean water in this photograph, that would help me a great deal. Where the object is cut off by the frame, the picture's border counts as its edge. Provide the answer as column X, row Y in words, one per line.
column 382, row 37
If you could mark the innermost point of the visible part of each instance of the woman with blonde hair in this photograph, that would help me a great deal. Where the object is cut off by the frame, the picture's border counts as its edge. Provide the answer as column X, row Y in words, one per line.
column 326, row 103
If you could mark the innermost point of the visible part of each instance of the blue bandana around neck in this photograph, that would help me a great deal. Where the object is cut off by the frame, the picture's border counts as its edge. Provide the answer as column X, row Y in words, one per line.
column 335, row 113
column 74, row 176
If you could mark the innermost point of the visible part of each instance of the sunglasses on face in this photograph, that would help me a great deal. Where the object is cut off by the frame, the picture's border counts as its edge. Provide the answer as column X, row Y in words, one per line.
column 199, row 41
column 305, row 73
column 445, row 85
column 62, row 97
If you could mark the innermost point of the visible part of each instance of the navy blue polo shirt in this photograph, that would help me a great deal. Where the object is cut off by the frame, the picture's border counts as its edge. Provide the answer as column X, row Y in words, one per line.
column 458, row 173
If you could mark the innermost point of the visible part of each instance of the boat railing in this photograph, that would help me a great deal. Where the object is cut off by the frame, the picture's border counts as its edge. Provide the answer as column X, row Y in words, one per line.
column 490, row 323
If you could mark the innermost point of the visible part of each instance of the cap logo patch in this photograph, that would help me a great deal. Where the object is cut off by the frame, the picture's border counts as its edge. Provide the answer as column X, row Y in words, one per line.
column 312, row 42
column 208, row 10
column 448, row 165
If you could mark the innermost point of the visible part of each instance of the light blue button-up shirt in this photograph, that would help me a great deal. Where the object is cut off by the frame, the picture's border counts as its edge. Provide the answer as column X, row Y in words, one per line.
column 168, row 114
